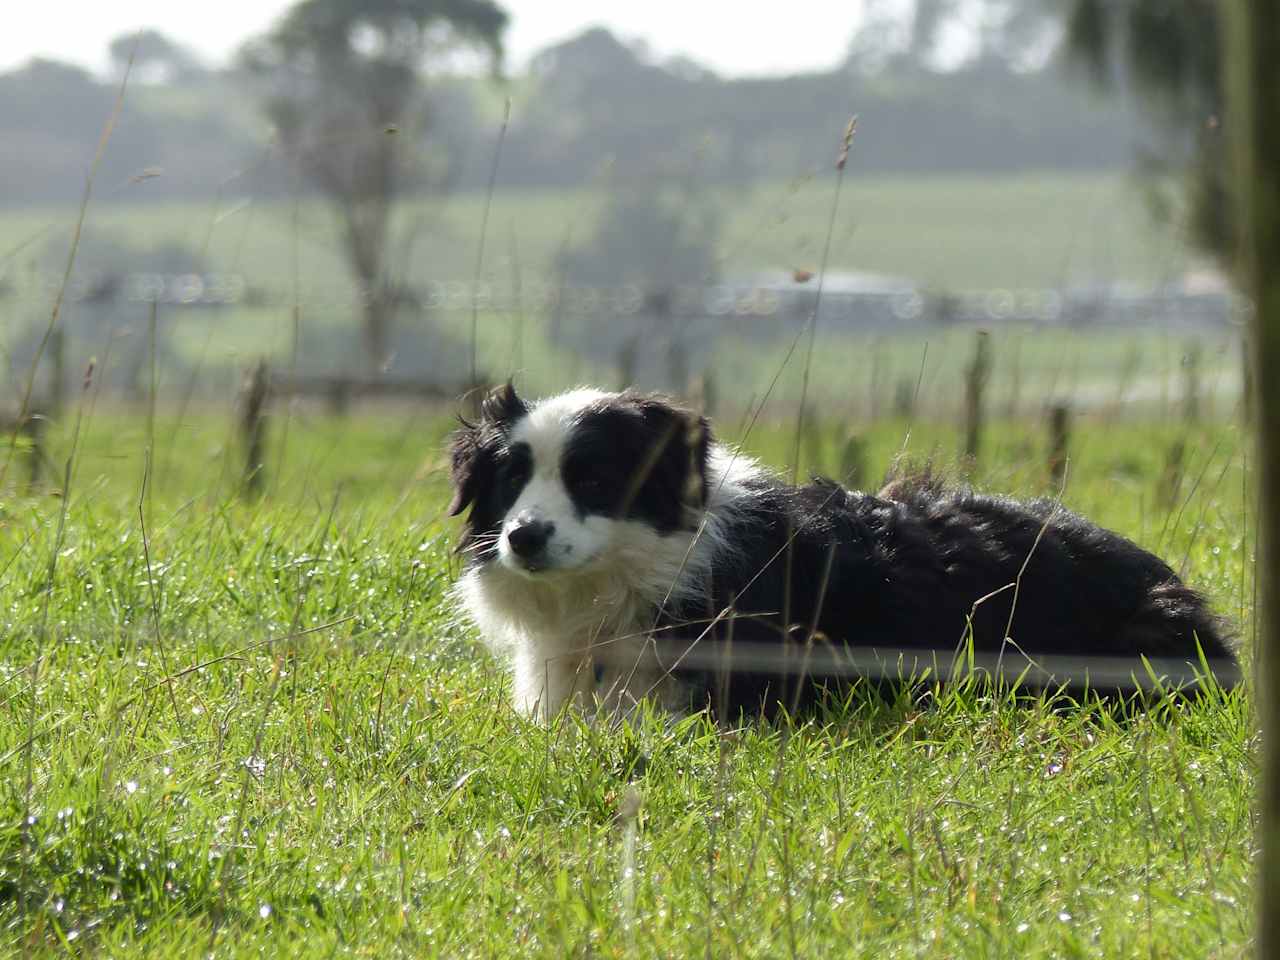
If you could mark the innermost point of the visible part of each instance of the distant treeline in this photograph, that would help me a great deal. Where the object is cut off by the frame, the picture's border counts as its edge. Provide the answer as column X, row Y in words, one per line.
column 598, row 106
column 589, row 110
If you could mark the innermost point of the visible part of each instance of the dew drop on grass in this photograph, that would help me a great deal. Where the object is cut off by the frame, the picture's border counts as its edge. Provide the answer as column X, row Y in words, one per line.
column 264, row 911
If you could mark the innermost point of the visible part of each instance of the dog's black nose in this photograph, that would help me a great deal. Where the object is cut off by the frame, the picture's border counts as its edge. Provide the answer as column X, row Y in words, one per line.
column 528, row 537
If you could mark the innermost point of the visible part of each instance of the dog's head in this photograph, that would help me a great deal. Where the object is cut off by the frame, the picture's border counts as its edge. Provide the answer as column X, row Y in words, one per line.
column 559, row 485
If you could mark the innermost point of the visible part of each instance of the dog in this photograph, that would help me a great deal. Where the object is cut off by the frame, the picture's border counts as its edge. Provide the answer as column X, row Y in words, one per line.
column 614, row 551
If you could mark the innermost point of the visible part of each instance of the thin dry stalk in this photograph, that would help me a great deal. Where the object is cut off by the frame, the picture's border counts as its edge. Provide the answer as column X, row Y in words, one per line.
column 25, row 407
column 484, row 229
column 42, row 633
column 153, row 591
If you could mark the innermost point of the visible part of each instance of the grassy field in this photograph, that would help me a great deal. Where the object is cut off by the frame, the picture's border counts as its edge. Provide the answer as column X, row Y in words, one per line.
column 250, row 729
column 858, row 376
column 1036, row 230
column 955, row 232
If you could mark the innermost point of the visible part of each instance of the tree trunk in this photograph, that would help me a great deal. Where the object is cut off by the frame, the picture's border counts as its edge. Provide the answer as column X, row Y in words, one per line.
column 1253, row 65
column 976, row 378
column 377, row 329
column 364, row 227
column 254, row 398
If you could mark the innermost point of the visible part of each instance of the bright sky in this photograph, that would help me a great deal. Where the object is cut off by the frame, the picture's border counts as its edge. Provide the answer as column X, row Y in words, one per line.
column 729, row 36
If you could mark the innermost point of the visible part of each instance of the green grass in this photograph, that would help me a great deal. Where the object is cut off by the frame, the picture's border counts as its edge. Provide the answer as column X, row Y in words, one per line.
column 276, row 739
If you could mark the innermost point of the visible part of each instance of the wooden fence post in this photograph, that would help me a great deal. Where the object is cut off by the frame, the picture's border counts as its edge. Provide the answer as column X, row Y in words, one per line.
column 812, row 445
column 976, row 378
column 1128, row 373
column 1015, row 379
column 1252, row 64
column 627, row 355
column 1171, row 477
column 339, row 396
column 1059, row 442
column 1246, row 376
column 58, row 384
column 879, row 376
column 705, row 394
column 904, row 399
column 853, row 462
column 678, row 365
column 1191, row 361
column 253, row 408
column 33, row 429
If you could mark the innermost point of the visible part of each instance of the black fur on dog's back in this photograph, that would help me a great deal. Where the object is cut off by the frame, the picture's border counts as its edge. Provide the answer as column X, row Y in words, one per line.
column 914, row 567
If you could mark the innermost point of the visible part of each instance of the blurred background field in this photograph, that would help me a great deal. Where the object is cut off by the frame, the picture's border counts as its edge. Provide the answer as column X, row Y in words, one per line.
column 953, row 231
column 1007, row 242
column 1010, row 171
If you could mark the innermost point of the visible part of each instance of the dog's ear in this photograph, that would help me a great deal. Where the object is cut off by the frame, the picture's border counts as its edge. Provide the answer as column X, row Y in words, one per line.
column 468, row 462
column 470, row 453
column 681, row 448
column 697, row 440
column 502, row 406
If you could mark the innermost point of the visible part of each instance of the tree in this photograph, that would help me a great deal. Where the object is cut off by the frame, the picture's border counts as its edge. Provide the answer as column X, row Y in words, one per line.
column 652, row 249
column 345, row 87
column 882, row 37
column 1168, row 52
column 50, row 119
column 153, row 53
column 1254, row 73
column 652, row 240
column 943, row 35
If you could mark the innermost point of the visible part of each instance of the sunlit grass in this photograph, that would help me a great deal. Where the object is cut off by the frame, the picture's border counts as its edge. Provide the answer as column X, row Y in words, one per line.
column 329, row 763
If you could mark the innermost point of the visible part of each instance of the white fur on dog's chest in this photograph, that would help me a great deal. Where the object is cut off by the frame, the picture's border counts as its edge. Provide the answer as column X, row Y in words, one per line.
column 556, row 634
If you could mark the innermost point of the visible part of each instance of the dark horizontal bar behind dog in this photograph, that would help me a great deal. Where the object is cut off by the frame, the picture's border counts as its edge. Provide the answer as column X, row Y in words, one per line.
column 1152, row 674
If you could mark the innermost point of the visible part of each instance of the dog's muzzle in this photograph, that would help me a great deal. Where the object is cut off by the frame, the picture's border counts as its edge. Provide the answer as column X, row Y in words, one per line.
column 528, row 540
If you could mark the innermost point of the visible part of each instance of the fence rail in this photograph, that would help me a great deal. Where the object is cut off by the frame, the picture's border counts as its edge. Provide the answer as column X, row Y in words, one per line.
column 868, row 304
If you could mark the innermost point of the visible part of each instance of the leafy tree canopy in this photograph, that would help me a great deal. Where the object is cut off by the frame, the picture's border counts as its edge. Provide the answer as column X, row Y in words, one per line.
column 344, row 91
column 152, row 49
column 321, row 33
column 1169, row 52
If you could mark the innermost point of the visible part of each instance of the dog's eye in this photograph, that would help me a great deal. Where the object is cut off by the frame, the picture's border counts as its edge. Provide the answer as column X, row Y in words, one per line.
column 514, row 477
column 591, row 486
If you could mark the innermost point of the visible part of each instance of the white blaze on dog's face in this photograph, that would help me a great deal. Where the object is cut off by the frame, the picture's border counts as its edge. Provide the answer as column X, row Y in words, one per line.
column 559, row 486
column 544, row 529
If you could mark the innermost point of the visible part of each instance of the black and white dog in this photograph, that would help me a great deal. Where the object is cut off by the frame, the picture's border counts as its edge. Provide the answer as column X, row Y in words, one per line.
column 614, row 551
